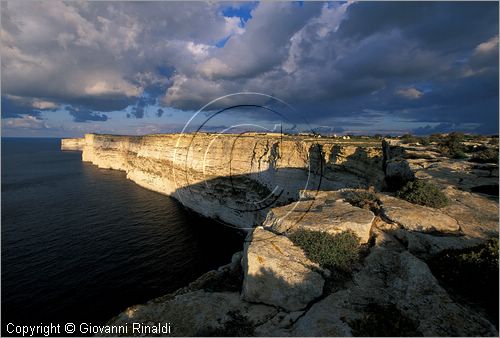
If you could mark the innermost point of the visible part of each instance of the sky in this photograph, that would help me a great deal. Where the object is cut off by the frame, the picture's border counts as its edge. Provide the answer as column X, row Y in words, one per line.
column 69, row 68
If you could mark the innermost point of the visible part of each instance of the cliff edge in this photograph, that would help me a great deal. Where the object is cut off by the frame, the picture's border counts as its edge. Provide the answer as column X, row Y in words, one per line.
column 236, row 178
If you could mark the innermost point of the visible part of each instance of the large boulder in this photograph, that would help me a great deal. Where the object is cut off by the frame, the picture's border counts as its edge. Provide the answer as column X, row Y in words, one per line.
column 276, row 272
column 327, row 213
column 416, row 217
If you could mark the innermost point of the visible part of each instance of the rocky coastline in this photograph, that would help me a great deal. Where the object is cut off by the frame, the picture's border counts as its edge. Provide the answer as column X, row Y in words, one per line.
column 273, row 186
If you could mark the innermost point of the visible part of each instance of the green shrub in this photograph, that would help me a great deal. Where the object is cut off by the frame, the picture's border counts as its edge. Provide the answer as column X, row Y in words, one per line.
column 383, row 321
column 472, row 274
column 452, row 145
column 425, row 141
column 435, row 138
column 485, row 155
column 362, row 199
column 423, row 193
column 409, row 138
column 334, row 252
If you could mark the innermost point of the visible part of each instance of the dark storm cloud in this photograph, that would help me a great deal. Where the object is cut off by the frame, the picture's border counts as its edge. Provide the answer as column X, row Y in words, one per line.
column 436, row 25
column 396, row 59
column 84, row 115
column 438, row 129
column 18, row 107
column 12, row 110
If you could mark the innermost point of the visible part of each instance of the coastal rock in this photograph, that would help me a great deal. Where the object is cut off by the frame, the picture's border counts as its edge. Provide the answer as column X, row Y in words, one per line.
column 236, row 178
column 476, row 214
column 326, row 213
column 72, row 143
column 416, row 217
column 404, row 162
column 278, row 273
column 278, row 325
column 197, row 313
column 400, row 279
column 427, row 245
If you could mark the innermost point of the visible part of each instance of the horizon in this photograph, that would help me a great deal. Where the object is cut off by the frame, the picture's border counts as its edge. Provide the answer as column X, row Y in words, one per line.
column 360, row 68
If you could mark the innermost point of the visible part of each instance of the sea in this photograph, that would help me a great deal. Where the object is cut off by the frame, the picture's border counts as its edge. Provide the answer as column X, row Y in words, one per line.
column 81, row 244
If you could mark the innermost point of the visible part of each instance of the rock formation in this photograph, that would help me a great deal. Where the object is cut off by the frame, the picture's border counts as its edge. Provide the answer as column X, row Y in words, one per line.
column 236, row 178
column 273, row 288
column 72, row 143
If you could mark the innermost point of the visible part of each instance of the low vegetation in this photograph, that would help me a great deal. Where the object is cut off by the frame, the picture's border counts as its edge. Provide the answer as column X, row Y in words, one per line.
column 363, row 199
column 471, row 275
column 485, row 155
column 409, row 139
column 334, row 252
column 383, row 321
column 452, row 145
column 423, row 193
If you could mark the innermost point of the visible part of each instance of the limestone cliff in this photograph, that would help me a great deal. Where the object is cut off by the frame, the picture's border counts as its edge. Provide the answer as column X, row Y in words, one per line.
column 236, row 178
column 72, row 143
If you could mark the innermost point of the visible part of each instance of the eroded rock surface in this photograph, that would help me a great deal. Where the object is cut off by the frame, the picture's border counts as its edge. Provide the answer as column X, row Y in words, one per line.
column 72, row 143
column 196, row 313
column 416, row 217
column 327, row 213
column 399, row 278
column 404, row 162
column 276, row 272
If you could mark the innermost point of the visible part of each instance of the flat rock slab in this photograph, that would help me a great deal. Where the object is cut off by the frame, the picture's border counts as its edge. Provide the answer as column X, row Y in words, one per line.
column 196, row 313
column 276, row 272
column 415, row 217
column 477, row 215
column 325, row 214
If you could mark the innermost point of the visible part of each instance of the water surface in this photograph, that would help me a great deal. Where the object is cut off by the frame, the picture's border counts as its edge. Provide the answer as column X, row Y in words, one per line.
column 81, row 244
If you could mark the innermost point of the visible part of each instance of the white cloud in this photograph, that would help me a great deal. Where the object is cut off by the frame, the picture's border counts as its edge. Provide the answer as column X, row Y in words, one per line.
column 213, row 67
column 198, row 49
column 410, row 93
column 25, row 122
column 488, row 47
column 233, row 26
column 40, row 104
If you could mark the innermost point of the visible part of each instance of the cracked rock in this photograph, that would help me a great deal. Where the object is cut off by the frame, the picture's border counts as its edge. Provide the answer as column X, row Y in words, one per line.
column 276, row 272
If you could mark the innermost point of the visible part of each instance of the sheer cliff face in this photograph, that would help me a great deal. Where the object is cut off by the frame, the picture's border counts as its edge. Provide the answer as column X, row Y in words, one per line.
column 72, row 144
column 235, row 178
